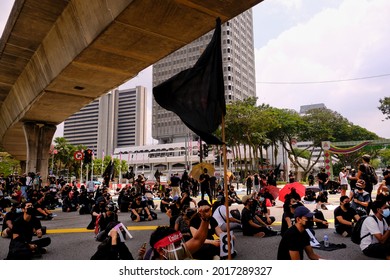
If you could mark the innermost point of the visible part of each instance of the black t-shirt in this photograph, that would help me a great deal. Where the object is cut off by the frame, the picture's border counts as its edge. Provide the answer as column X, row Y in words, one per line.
column 196, row 221
column 293, row 240
column 10, row 216
column 138, row 207
column 348, row 216
column 246, row 216
column 323, row 177
column 4, row 203
column 213, row 181
column 25, row 228
column 206, row 182
column 363, row 168
column 175, row 181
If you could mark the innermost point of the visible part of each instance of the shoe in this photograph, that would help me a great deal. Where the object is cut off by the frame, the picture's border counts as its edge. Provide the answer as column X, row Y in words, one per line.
column 345, row 234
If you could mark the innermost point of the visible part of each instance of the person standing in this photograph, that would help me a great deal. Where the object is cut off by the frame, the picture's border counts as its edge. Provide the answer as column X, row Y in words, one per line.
column 323, row 180
column 175, row 185
column 296, row 240
column 249, row 184
column 204, row 181
column 363, row 173
column 343, row 175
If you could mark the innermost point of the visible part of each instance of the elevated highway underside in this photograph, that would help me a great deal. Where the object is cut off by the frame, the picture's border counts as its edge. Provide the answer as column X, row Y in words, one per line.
column 58, row 56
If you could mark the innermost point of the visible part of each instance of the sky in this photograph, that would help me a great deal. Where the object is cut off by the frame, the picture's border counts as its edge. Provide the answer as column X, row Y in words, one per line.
column 307, row 52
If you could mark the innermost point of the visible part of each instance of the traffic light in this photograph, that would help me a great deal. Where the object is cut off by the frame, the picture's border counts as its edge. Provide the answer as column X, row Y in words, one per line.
column 87, row 156
column 205, row 150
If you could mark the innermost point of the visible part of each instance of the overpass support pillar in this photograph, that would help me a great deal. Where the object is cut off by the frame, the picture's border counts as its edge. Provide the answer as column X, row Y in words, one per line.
column 38, row 138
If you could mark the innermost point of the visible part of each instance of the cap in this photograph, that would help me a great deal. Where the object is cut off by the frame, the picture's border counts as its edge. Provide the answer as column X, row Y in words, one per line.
column 245, row 198
column 366, row 157
column 203, row 202
column 303, row 211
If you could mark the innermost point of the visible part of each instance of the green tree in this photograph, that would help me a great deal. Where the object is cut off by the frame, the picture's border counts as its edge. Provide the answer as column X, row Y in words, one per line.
column 8, row 164
column 385, row 107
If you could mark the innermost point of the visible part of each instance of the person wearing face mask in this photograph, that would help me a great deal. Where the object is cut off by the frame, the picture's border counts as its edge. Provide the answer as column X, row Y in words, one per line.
column 9, row 219
column 345, row 217
column 375, row 232
column 360, row 199
column 296, row 240
column 249, row 227
column 22, row 247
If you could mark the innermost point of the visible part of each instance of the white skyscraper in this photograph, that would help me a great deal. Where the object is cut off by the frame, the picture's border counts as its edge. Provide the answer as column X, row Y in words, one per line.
column 115, row 120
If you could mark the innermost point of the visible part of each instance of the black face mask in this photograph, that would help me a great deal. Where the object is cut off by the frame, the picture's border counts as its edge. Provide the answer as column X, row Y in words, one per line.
column 347, row 205
column 30, row 211
column 308, row 224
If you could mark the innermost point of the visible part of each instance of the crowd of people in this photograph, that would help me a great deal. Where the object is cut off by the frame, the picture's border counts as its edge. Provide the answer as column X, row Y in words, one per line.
column 195, row 227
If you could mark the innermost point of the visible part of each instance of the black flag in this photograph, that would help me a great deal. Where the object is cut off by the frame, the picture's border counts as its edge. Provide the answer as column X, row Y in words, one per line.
column 197, row 94
column 109, row 171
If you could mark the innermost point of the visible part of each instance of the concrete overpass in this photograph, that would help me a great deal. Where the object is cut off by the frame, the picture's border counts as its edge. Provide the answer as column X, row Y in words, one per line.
column 58, row 56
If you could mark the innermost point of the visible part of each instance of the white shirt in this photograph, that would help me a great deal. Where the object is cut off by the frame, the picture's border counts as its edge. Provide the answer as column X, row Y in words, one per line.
column 343, row 178
column 220, row 215
column 372, row 227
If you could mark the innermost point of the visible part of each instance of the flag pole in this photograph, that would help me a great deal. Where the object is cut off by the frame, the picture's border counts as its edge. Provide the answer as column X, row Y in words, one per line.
column 226, row 189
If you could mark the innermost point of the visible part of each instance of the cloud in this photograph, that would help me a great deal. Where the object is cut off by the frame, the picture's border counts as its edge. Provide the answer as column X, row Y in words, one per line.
column 338, row 43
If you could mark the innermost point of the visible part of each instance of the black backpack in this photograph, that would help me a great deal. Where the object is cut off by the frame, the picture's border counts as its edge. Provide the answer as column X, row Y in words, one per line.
column 355, row 235
column 371, row 175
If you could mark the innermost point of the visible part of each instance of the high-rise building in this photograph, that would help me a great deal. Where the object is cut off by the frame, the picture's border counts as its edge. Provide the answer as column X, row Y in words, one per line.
column 238, row 66
column 115, row 120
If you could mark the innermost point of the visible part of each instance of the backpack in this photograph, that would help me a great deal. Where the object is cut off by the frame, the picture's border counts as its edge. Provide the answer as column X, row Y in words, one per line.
column 371, row 175
column 355, row 234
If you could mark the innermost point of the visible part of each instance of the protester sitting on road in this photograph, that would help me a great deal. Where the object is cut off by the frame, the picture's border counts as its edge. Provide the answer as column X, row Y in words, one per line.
column 174, row 210
column 164, row 203
column 112, row 247
column 249, row 227
column 360, row 199
column 186, row 200
column 182, row 223
column 41, row 209
column 375, row 232
column 4, row 202
column 289, row 206
column 22, row 247
column 345, row 217
column 140, row 211
column 219, row 215
column 262, row 215
column 9, row 219
column 233, row 197
column 168, row 244
column 97, row 209
column 296, row 240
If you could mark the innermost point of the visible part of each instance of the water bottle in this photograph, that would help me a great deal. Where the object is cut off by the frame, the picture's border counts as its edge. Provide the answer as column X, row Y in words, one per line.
column 326, row 241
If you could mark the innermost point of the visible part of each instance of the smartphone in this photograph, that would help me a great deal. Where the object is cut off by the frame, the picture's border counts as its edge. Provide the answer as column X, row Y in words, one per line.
column 144, row 245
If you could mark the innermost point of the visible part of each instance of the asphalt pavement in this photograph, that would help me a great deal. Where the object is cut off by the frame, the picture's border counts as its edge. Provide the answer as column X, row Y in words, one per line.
column 72, row 241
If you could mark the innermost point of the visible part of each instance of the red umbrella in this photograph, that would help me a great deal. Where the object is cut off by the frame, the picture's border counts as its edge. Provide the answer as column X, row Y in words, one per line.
column 274, row 191
column 300, row 189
